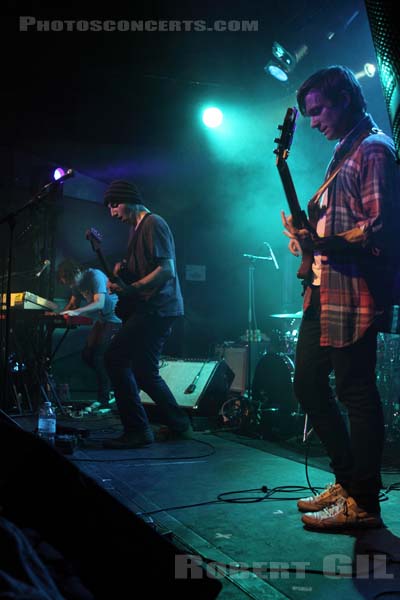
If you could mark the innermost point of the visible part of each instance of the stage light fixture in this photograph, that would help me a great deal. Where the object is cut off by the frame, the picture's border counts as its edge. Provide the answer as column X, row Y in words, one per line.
column 368, row 70
column 276, row 71
column 59, row 172
column 284, row 62
column 283, row 56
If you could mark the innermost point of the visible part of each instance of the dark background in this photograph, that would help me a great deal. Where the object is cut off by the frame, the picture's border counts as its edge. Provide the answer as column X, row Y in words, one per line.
column 128, row 105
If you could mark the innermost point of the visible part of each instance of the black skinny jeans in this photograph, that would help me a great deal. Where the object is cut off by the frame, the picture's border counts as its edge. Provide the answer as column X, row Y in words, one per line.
column 93, row 355
column 132, row 362
column 355, row 452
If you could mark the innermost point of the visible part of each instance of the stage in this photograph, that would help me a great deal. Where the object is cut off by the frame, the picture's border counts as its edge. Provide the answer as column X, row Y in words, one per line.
column 228, row 501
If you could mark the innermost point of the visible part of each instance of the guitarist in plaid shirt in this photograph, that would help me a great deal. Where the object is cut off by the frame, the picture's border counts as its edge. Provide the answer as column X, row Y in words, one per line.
column 353, row 280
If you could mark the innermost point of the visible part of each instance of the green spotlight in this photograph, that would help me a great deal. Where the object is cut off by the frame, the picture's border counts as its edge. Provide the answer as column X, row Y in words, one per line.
column 212, row 117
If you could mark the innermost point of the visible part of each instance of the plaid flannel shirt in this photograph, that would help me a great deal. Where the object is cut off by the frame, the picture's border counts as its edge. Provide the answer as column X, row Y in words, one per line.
column 356, row 286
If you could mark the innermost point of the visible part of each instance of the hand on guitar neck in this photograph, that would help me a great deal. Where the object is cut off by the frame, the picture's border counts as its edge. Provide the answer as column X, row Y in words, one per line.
column 302, row 239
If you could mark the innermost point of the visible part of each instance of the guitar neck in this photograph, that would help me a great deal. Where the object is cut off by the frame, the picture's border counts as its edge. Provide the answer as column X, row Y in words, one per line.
column 104, row 264
column 291, row 195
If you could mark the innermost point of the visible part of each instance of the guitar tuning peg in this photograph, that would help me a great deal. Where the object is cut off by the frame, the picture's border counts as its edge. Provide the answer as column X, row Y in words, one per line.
column 277, row 140
column 280, row 127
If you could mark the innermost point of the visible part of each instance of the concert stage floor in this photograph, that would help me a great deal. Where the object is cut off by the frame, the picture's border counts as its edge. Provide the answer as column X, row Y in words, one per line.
column 210, row 494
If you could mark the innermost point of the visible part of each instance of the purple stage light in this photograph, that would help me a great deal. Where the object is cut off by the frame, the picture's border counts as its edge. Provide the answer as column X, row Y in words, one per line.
column 59, row 172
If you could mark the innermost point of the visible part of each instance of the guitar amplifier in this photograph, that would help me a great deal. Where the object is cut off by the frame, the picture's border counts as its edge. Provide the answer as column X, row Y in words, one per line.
column 236, row 358
column 201, row 386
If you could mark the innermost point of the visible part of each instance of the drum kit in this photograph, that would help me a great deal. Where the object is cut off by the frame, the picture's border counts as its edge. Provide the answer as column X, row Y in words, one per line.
column 278, row 413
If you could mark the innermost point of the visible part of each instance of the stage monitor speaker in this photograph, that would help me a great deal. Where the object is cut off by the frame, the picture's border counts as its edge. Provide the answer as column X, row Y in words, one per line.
column 201, row 386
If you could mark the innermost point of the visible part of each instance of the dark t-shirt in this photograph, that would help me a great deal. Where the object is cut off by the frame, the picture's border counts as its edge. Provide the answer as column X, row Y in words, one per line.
column 152, row 241
column 93, row 282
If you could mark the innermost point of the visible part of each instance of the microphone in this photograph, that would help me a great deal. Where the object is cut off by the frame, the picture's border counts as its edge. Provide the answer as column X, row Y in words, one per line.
column 52, row 185
column 272, row 255
column 70, row 173
column 67, row 175
column 46, row 264
column 190, row 388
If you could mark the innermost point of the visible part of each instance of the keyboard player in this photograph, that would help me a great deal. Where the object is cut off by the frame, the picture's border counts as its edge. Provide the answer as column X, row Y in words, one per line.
column 90, row 298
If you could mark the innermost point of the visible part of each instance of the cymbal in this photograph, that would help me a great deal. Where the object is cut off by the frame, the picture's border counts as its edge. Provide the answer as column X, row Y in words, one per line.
column 297, row 315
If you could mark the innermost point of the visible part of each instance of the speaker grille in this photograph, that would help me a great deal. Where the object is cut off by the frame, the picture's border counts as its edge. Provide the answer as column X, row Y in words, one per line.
column 386, row 38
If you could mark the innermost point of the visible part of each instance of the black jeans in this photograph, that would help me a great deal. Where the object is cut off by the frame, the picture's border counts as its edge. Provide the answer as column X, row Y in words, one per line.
column 93, row 355
column 355, row 452
column 132, row 362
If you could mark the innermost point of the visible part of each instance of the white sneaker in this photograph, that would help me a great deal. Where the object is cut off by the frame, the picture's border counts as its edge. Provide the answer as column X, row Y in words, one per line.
column 329, row 496
column 344, row 514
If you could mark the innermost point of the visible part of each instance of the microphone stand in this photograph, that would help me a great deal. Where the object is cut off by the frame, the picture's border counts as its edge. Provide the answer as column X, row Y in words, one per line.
column 251, row 321
column 11, row 220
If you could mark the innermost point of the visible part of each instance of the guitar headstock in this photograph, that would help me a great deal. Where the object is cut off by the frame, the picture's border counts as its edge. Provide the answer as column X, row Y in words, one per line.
column 94, row 237
column 286, row 138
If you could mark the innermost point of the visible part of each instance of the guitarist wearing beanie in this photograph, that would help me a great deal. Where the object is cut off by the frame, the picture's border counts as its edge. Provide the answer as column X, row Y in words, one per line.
column 150, row 301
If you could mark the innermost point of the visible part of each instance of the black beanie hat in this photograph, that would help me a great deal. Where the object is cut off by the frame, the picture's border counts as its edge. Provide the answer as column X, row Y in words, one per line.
column 122, row 192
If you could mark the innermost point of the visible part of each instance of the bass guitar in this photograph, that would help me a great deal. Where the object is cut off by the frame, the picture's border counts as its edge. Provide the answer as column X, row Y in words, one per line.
column 126, row 302
column 299, row 217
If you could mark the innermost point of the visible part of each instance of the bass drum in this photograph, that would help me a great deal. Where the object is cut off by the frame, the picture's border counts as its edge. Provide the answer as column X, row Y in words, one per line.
column 272, row 394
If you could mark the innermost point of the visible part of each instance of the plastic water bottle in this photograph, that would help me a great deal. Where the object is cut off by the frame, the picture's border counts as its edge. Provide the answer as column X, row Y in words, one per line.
column 47, row 423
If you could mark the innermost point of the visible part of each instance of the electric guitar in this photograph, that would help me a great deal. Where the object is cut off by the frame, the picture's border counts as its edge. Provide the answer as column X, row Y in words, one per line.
column 126, row 303
column 300, row 220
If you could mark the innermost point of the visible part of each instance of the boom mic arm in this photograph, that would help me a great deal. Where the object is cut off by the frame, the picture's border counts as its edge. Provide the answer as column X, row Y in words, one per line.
column 46, row 189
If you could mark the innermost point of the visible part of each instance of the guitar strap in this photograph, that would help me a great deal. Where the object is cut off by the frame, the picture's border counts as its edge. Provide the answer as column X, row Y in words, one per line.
column 131, row 250
column 313, row 203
